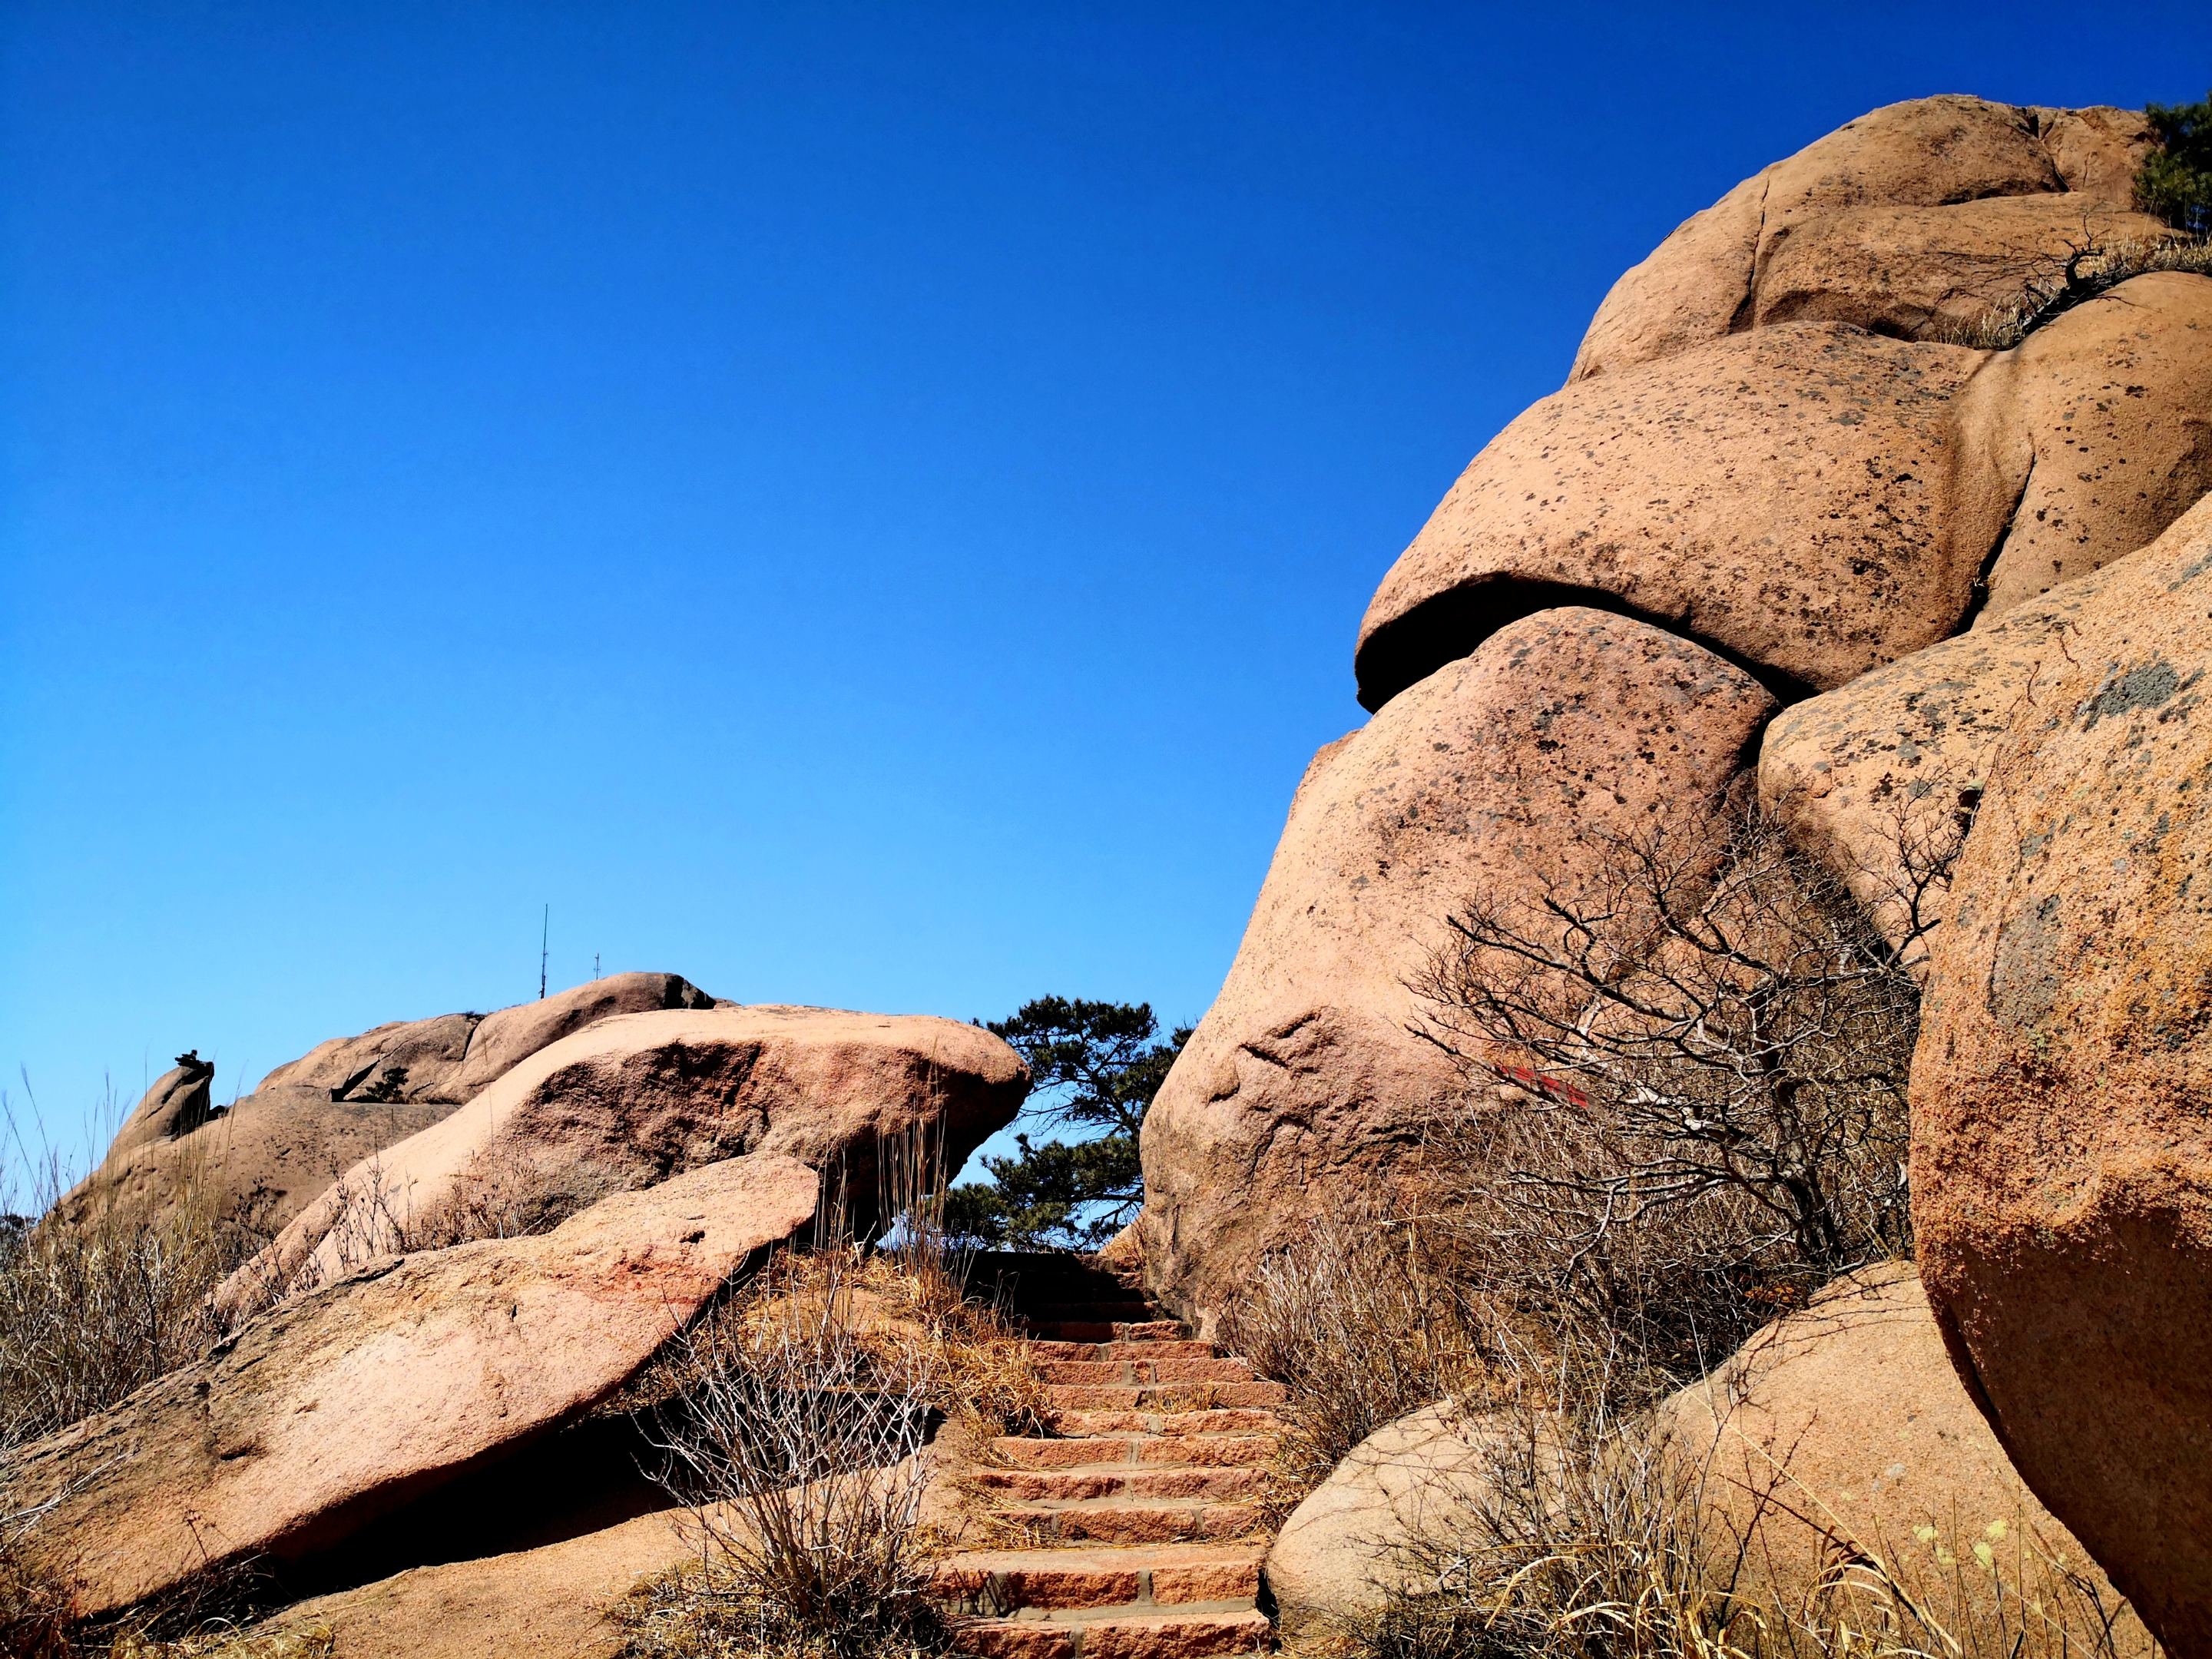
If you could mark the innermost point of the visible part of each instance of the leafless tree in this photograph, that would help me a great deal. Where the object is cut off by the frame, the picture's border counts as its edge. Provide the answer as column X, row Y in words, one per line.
column 1700, row 1018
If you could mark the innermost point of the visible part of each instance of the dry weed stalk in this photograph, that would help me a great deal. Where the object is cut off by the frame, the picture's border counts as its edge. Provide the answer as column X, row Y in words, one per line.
column 797, row 1446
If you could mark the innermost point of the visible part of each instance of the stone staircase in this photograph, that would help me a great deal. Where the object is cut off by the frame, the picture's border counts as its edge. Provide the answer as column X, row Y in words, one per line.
column 1139, row 1528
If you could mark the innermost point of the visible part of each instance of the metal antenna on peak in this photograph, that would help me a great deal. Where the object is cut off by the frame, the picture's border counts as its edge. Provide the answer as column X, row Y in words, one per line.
column 544, row 934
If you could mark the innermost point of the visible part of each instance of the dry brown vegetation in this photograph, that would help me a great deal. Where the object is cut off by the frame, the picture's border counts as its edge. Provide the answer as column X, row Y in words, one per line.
column 2088, row 269
column 1683, row 1111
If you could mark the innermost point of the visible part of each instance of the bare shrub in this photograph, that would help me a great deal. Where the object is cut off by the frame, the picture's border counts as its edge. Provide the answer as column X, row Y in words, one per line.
column 796, row 1445
column 1700, row 1016
column 90, row 1311
column 2087, row 268
column 1362, row 1322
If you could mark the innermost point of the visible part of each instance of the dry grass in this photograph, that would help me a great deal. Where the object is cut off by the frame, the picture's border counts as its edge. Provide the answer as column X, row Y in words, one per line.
column 1589, row 1538
column 2089, row 271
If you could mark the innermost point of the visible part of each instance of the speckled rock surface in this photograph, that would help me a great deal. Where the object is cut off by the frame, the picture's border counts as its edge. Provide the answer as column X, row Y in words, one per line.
column 2062, row 1091
column 2100, row 426
column 1302, row 1085
column 1783, row 495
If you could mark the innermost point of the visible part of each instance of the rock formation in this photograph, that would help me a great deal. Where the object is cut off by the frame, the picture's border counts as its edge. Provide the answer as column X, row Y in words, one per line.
column 1843, row 1430
column 1302, row 1085
column 2061, row 1160
column 1785, row 497
column 261, row 1158
column 1921, row 214
column 1979, row 575
column 309, row 1423
column 631, row 1100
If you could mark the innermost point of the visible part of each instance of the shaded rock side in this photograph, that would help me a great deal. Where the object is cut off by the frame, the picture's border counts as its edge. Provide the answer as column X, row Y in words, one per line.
column 1785, row 497
column 1843, row 1429
column 631, row 1100
column 550, row 1601
column 260, row 1163
column 2096, row 431
column 179, row 1101
column 1301, row 1086
column 1354, row 1541
column 1882, row 223
column 2062, row 1089
column 1862, row 773
column 316, row 1418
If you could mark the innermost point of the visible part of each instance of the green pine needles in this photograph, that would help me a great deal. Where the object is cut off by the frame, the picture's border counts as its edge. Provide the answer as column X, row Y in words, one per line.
column 1097, row 1067
column 2175, row 181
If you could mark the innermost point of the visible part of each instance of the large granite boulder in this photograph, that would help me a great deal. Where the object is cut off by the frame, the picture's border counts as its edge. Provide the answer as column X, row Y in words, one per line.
column 313, row 1421
column 630, row 1101
column 1842, row 1431
column 1303, row 1087
column 2062, row 1089
column 260, row 1160
column 1362, row 1535
column 1784, row 497
column 1867, row 773
column 2098, row 428
column 1886, row 222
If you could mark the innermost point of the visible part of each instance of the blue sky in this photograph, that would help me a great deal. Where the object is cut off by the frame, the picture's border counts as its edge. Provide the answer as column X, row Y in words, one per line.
column 862, row 505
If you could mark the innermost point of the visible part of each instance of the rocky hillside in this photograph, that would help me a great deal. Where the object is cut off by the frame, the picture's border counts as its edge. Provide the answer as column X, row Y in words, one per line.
column 1834, row 509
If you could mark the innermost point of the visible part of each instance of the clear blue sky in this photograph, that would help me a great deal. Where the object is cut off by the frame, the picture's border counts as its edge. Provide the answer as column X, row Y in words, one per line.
column 854, row 505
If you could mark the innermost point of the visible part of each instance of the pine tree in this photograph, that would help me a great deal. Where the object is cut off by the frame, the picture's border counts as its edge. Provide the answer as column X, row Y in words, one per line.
column 1096, row 1067
column 2176, row 179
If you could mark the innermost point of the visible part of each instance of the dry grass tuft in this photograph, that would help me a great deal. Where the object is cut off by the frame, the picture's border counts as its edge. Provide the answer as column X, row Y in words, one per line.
column 2089, row 271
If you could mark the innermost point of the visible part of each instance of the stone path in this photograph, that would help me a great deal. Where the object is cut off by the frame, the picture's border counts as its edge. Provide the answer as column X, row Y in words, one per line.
column 1140, row 1531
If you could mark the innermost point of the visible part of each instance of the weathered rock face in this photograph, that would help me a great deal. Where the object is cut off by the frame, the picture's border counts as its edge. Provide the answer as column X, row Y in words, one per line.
column 450, row 1058
column 1785, row 497
column 260, row 1160
column 1354, row 1540
column 341, row 1404
column 1850, row 1416
column 2098, row 425
column 1864, row 773
column 1301, row 1086
column 1827, row 233
column 631, row 1100
column 179, row 1103
column 260, row 1163
column 2062, row 1161
column 1913, row 271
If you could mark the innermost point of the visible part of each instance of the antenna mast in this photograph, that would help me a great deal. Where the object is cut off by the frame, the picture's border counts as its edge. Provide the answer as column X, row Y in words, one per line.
column 544, row 934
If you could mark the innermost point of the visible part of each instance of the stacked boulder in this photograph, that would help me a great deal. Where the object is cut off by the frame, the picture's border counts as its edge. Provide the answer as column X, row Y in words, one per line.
column 1777, row 503
column 261, row 1158
column 582, row 1177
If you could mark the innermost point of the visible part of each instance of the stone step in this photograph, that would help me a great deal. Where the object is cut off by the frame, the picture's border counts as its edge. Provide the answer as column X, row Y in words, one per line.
column 1141, row 1348
column 1146, row 1371
column 1108, row 1313
column 1200, row 1450
column 1221, row 1420
column 1121, row 1633
column 1218, row 1484
column 1094, row 1330
column 1162, row 1396
column 1132, row 1521
column 997, row 1583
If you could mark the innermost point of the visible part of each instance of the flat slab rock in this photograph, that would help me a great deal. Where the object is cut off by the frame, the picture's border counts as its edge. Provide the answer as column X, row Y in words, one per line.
column 345, row 1402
